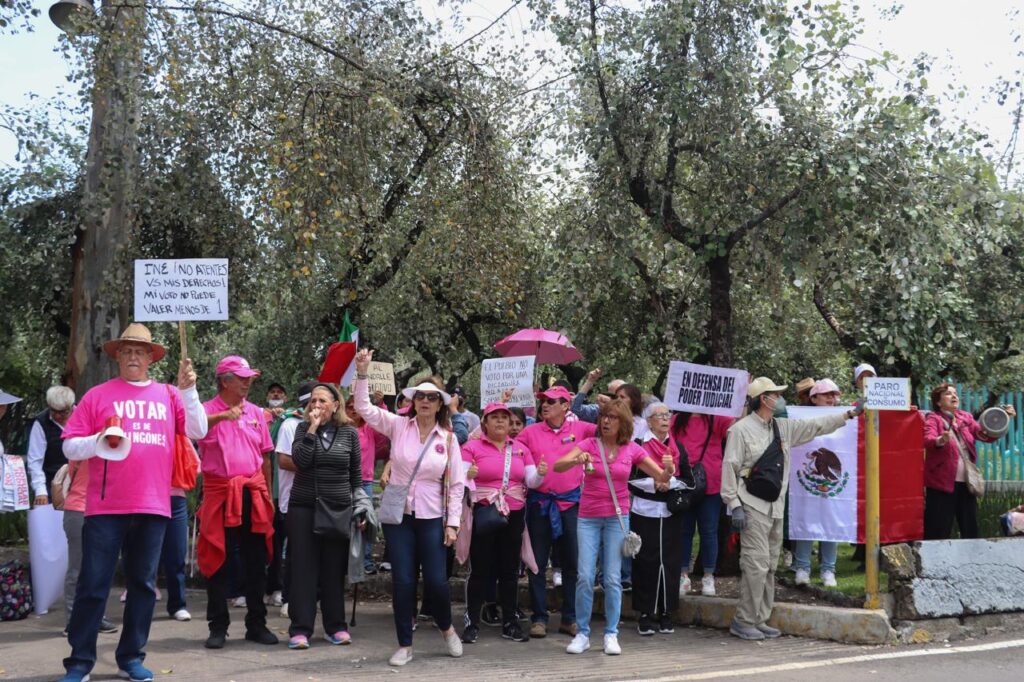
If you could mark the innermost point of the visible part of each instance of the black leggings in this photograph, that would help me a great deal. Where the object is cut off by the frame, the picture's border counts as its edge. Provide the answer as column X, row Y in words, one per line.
column 940, row 508
column 496, row 555
column 657, row 566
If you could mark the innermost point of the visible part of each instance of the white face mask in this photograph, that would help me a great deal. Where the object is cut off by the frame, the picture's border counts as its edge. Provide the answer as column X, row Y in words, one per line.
column 276, row 403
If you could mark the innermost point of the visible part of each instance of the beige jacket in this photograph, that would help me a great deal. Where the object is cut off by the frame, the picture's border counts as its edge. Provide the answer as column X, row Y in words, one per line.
column 747, row 440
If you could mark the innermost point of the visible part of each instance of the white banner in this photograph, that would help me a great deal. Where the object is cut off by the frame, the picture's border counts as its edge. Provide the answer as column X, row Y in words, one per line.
column 823, row 482
column 185, row 289
column 705, row 390
column 498, row 374
column 48, row 555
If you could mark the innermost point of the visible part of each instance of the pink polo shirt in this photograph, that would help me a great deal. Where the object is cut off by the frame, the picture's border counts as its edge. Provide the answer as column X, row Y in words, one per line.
column 371, row 443
column 426, row 493
column 549, row 445
column 235, row 447
column 596, row 500
column 78, row 472
column 490, row 462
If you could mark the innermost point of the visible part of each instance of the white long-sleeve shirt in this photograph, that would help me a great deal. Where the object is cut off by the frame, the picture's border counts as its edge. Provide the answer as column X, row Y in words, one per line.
column 36, row 455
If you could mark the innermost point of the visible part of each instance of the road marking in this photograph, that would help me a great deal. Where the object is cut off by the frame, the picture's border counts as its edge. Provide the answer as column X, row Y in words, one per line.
column 826, row 662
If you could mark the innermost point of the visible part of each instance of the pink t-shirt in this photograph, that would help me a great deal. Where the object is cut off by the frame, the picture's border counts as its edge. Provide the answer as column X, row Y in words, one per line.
column 543, row 442
column 693, row 440
column 370, row 443
column 235, row 447
column 150, row 415
column 491, row 464
column 595, row 500
column 78, row 472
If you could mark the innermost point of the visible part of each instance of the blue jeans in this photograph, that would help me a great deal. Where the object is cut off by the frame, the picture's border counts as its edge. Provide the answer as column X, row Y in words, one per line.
column 418, row 542
column 541, row 542
column 368, row 546
column 802, row 555
column 103, row 536
column 599, row 535
column 172, row 557
column 705, row 517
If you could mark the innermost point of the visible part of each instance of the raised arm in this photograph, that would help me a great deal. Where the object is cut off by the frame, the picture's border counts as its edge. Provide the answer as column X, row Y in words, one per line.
column 379, row 419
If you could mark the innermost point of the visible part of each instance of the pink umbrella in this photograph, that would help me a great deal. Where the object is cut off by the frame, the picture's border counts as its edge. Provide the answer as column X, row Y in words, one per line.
column 550, row 348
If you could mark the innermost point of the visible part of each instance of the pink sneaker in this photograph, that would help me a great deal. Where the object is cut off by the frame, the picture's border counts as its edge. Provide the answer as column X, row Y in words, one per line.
column 298, row 642
column 339, row 637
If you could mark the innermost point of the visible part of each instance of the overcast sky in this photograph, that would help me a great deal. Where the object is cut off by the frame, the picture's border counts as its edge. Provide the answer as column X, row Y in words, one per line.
column 972, row 42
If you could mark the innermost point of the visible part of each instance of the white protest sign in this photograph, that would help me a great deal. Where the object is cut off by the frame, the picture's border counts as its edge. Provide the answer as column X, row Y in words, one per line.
column 705, row 390
column 184, row 289
column 498, row 374
column 382, row 378
column 887, row 393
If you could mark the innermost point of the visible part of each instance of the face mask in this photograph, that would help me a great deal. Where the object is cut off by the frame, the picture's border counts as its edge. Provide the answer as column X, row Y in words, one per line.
column 780, row 406
column 276, row 403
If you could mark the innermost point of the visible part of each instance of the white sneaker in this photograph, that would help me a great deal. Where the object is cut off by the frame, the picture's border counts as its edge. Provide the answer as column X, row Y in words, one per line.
column 239, row 602
column 453, row 642
column 578, row 645
column 829, row 578
column 284, row 610
column 684, row 585
column 276, row 598
column 707, row 585
column 803, row 577
column 401, row 657
column 611, row 645
column 182, row 615
column 556, row 577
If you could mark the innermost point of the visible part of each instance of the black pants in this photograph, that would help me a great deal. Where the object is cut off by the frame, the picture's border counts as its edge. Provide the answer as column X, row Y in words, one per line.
column 318, row 562
column 940, row 508
column 496, row 554
column 254, row 560
column 275, row 571
column 657, row 566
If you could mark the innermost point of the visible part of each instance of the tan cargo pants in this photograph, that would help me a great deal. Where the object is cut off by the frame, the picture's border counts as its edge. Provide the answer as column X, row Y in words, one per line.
column 760, row 545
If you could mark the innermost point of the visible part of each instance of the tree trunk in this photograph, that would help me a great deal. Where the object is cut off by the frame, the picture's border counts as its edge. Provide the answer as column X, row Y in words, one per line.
column 102, row 284
column 719, row 333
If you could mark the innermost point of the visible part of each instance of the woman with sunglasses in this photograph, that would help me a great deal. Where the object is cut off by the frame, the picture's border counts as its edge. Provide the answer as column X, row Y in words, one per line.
column 425, row 456
column 600, row 530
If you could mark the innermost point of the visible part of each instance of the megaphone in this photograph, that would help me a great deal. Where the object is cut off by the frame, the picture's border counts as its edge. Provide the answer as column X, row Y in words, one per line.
column 113, row 444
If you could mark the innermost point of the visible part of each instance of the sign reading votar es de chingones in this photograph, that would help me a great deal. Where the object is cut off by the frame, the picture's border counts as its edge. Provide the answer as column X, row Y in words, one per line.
column 887, row 393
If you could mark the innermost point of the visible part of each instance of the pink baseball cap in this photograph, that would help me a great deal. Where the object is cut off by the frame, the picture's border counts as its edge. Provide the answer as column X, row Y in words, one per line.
column 237, row 365
column 556, row 393
column 495, row 407
column 825, row 386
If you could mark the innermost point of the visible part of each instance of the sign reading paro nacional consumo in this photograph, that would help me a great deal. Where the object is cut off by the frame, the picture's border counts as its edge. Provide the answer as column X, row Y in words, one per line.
column 887, row 393
column 181, row 289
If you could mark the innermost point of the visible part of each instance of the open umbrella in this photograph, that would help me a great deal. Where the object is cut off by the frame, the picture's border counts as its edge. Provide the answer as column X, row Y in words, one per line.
column 550, row 348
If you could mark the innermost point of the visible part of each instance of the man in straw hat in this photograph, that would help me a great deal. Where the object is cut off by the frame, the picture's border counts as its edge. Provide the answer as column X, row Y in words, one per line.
column 126, row 429
column 755, row 476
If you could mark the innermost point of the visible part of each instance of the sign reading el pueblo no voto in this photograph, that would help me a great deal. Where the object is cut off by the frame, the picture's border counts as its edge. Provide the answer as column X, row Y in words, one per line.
column 702, row 389
column 499, row 374
column 181, row 289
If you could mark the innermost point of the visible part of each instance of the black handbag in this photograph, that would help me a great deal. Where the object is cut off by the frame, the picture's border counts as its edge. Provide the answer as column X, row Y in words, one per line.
column 765, row 478
column 695, row 485
column 487, row 518
column 329, row 521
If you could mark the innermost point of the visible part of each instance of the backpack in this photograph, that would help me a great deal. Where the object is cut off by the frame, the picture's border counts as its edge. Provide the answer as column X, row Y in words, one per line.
column 765, row 478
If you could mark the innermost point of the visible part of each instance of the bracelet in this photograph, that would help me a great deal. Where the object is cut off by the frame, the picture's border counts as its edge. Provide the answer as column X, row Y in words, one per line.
column 362, row 376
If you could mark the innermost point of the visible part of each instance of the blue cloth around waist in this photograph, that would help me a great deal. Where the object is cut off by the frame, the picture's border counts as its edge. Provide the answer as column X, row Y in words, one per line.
column 549, row 507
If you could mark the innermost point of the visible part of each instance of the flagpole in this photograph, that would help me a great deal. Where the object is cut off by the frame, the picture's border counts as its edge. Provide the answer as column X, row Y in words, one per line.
column 871, row 511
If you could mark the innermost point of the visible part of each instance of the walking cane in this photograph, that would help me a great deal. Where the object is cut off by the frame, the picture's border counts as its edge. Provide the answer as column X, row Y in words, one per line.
column 192, row 549
column 355, row 600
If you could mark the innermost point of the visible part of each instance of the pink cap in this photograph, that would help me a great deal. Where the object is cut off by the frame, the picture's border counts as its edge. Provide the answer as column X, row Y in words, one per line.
column 495, row 407
column 824, row 386
column 555, row 393
column 237, row 365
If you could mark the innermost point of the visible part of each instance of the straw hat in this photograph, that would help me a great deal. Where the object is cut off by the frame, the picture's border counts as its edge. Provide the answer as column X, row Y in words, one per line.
column 135, row 333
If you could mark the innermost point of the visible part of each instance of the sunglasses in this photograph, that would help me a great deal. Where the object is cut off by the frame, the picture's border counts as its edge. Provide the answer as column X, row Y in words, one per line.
column 429, row 397
column 553, row 401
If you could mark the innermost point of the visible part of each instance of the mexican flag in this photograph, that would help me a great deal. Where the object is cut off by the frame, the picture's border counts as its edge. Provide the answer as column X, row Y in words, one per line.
column 826, row 479
column 339, row 365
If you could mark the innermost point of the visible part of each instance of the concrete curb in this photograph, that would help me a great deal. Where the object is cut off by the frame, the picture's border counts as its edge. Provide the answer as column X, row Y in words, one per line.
column 850, row 626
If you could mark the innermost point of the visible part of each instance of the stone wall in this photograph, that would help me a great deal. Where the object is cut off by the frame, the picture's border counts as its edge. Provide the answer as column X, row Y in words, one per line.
column 954, row 578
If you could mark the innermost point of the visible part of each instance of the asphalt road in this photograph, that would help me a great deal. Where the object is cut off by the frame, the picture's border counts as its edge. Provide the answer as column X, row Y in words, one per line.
column 32, row 649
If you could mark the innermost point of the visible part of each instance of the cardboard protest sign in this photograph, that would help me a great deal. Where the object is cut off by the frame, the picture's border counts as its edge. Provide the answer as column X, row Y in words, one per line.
column 705, row 390
column 183, row 289
column 498, row 374
column 887, row 393
column 382, row 378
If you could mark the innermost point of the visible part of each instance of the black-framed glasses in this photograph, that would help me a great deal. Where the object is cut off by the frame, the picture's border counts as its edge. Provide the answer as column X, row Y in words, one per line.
column 660, row 415
column 554, row 401
column 429, row 397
